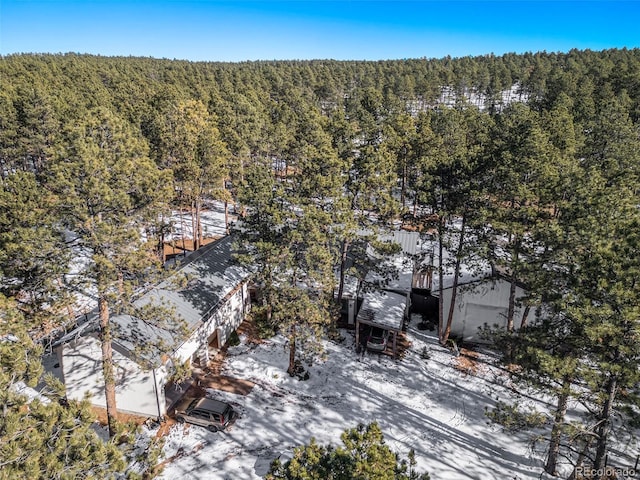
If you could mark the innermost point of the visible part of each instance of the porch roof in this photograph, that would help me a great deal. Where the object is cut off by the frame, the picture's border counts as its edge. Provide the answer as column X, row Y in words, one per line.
column 383, row 309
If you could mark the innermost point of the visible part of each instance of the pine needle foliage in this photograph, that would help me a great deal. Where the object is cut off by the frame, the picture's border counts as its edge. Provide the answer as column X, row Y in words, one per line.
column 44, row 437
column 363, row 455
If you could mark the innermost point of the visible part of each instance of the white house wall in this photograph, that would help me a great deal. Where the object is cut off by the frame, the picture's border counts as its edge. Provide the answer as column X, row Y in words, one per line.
column 480, row 304
column 225, row 320
column 232, row 313
column 135, row 389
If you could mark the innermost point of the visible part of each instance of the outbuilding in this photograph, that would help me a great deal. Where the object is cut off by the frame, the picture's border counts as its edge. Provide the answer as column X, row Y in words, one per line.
column 386, row 311
column 482, row 302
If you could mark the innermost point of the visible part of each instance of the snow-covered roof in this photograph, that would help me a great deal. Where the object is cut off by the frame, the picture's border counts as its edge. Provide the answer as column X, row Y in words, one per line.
column 409, row 241
column 210, row 272
column 419, row 251
column 208, row 276
column 383, row 309
column 403, row 267
column 22, row 388
column 79, row 331
column 412, row 245
column 467, row 275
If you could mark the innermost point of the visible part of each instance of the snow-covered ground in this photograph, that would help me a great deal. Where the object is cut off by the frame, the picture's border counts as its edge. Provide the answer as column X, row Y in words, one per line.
column 424, row 404
column 211, row 217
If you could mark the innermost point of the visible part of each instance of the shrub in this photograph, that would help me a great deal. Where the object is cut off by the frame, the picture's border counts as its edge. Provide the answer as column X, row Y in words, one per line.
column 513, row 418
column 362, row 455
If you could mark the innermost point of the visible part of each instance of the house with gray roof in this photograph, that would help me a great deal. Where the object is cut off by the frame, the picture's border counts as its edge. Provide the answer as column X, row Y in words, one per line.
column 207, row 297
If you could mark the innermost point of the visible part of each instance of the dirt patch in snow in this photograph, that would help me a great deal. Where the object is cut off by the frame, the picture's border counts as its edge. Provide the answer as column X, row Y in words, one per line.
column 249, row 329
column 404, row 344
column 216, row 381
column 211, row 376
column 101, row 414
column 468, row 362
column 177, row 247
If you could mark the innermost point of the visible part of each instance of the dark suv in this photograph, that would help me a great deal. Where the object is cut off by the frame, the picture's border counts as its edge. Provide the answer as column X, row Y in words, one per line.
column 206, row 412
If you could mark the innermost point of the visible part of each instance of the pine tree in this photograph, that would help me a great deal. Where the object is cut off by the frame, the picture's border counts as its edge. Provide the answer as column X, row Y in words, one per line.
column 38, row 128
column 588, row 268
column 105, row 185
column 33, row 254
column 362, row 455
column 367, row 145
column 287, row 233
column 8, row 133
column 450, row 152
column 604, row 292
column 198, row 158
column 44, row 437
column 523, row 175
column 399, row 136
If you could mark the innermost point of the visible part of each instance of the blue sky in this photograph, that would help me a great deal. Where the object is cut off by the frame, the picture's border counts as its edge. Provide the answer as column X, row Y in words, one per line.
column 304, row 29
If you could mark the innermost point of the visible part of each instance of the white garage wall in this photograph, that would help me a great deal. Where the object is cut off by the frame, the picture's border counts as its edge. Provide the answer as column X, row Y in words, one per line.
column 135, row 388
column 225, row 319
column 138, row 391
column 479, row 304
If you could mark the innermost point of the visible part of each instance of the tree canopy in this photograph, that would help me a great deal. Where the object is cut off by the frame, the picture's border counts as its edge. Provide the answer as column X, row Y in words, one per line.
column 363, row 455
column 529, row 161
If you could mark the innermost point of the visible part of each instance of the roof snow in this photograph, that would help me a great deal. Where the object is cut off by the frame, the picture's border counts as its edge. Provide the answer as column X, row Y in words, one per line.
column 22, row 388
column 383, row 309
column 208, row 276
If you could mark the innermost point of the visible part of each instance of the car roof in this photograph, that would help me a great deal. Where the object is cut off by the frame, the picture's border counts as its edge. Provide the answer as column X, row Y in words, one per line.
column 211, row 405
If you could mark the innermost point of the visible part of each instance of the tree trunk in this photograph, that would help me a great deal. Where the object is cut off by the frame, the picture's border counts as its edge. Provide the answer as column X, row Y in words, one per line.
column 161, row 239
column 440, row 278
column 343, row 265
column 121, row 283
column 454, row 288
column 194, row 227
column 200, row 228
column 107, row 366
column 556, row 432
column 163, row 257
column 525, row 317
column 183, row 228
column 292, row 351
column 226, row 217
column 403, row 188
column 583, row 453
column 605, row 423
column 512, row 289
column 200, row 240
column 512, row 305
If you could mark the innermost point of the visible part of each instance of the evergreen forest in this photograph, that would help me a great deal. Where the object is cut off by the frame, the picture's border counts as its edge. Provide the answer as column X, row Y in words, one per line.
column 530, row 161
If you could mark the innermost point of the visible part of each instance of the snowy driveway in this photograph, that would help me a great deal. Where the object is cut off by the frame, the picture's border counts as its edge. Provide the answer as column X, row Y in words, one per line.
column 426, row 405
